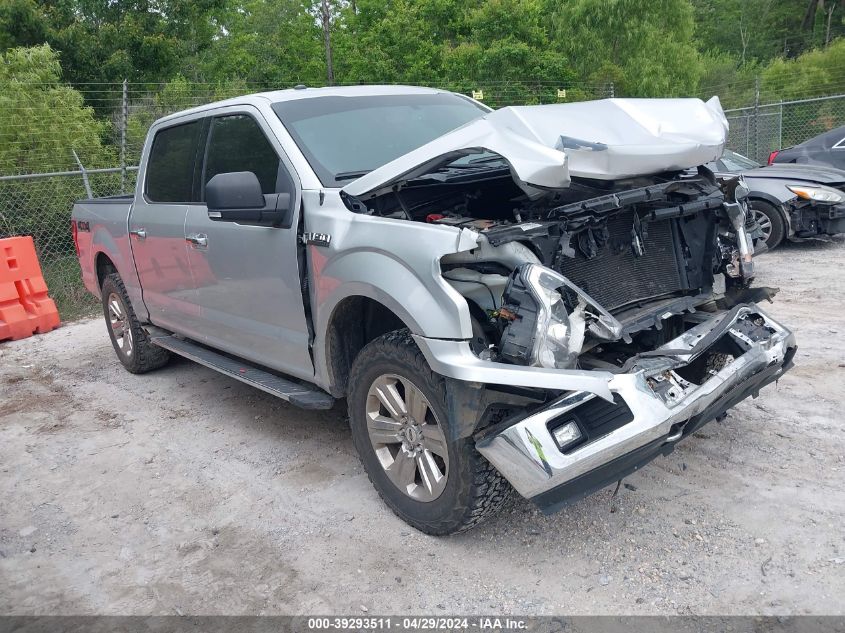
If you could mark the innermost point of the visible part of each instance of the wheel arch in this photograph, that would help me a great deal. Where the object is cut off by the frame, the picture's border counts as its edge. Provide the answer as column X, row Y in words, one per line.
column 355, row 321
column 378, row 286
column 103, row 266
column 778, row 206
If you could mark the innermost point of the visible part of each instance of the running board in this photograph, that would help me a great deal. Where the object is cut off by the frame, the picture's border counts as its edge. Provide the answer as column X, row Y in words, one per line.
column 296, row 393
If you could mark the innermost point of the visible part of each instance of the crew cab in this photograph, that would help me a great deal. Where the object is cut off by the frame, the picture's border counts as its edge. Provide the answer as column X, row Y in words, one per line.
column 539, row 298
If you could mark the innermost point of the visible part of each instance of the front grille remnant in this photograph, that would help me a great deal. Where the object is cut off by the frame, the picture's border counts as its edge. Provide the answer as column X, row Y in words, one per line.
column 616, row 277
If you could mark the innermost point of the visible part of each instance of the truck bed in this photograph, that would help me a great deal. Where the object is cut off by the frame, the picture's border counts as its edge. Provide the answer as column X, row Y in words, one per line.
column 102, row 225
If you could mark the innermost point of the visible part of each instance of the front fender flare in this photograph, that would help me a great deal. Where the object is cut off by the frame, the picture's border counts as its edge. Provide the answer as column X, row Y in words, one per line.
column 426, row 304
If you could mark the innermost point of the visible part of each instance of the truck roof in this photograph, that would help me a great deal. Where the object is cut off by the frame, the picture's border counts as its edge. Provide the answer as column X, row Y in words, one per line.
column 290, row 94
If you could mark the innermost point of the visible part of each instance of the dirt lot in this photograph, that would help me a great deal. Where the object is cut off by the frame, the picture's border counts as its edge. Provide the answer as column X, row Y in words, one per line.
column 186, row 492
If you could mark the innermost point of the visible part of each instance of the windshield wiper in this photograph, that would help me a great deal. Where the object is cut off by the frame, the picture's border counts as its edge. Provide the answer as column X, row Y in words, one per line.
column 495, row 158
column 351, row 175
column 484, row 163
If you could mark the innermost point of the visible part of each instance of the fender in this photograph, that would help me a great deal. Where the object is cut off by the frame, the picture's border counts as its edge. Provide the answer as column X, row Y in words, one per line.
column 434, row 307
column 394, row 262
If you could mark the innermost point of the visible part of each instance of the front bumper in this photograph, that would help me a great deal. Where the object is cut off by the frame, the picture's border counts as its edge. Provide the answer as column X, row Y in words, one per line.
column 664, row 408
column 813, row 219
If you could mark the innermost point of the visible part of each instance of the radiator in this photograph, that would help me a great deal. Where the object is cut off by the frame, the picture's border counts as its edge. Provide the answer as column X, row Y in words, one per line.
column 616, row 277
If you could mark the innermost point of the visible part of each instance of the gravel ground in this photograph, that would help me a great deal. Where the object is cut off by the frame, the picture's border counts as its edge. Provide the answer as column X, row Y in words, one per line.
column 182, row 491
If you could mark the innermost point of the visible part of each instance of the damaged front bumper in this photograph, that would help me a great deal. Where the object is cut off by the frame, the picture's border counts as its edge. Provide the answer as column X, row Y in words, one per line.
column 809, row 220
column 656, row 403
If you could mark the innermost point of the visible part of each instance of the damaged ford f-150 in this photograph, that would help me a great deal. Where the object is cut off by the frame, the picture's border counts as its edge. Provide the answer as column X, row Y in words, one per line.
column 540, row 297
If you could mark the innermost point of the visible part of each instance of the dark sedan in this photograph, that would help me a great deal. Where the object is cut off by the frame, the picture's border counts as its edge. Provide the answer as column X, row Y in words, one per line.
column 790, row 202
column 825, row 149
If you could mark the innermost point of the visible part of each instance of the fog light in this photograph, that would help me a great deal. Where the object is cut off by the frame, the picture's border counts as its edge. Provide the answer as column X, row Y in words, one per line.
column 567, row 434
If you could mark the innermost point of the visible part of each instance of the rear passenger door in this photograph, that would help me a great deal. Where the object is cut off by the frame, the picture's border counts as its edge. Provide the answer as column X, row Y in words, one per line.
column 246, row 278
column 157, row 225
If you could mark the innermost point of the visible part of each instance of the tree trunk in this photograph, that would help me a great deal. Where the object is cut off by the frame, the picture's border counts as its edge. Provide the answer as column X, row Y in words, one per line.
column 327, row 39
column 810, row 15
column 829, row 17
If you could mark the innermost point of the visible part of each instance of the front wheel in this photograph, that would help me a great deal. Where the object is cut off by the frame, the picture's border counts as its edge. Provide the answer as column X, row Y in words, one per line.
column 770, row 221
column 400, row 427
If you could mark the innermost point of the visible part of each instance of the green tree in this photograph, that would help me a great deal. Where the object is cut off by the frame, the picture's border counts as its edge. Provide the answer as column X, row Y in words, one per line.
column 815, row 73
column 44, row 121
column 763, row 30
column 645, row 47
column 21, row 24
column 388, row 42
column 269, row 42
column 138, row 40
column 506, row 51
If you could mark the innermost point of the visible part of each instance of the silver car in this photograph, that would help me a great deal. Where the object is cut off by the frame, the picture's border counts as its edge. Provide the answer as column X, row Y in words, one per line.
column 537, row 298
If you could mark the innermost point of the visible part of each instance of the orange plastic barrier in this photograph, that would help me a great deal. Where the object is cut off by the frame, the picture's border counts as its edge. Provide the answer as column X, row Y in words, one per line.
column 25, row 307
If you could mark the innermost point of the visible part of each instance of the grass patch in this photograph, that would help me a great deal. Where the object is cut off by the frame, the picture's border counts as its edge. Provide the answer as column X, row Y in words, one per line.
column 64, row 284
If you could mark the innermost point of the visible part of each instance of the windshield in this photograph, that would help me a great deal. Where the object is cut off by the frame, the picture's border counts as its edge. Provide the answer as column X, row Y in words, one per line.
column 737, row 162
column 343, row 138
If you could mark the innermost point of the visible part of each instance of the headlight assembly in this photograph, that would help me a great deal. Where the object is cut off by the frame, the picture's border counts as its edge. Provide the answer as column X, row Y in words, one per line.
column 818, row 193
column 548, row 317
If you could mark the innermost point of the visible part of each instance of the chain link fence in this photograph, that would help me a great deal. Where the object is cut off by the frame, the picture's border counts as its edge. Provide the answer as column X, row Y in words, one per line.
column 39, row 204
column 756, row 131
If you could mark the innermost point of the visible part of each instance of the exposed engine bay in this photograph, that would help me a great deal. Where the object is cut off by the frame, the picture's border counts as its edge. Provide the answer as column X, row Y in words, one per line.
column 588, row 276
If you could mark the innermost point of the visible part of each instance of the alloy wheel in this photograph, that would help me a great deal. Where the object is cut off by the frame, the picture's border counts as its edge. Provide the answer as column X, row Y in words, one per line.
column 407, row 438
column 119, row 324
column 765, row 224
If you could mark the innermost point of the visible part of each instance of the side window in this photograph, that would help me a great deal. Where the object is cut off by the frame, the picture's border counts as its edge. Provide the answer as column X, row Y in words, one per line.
column 236, row 143
column 170, row 169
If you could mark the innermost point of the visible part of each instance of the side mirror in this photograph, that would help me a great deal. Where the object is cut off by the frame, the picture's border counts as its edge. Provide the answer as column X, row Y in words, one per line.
column 236, row 197
column 234, row 190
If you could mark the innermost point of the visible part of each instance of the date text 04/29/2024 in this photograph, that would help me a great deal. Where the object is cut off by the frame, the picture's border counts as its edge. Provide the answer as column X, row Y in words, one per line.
column 416, row 623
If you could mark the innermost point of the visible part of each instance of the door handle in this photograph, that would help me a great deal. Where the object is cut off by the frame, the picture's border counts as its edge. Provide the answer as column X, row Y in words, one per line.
column 199, row 240
column 141, row 234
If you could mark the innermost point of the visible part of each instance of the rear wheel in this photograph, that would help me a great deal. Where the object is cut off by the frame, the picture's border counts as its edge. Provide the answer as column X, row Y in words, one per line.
column 130, row 341
column 770, row 221
column 397, row 410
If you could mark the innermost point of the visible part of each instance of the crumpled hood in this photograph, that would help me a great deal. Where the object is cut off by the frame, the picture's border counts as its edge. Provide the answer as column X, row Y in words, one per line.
column 545, row 145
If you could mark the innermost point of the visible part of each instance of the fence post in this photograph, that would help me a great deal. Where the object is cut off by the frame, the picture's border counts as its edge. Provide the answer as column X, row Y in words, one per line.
column 612, row 90
column 780, row 125
column 748, row 135
column 84, row 173
column 755, row 155
column 124, row 115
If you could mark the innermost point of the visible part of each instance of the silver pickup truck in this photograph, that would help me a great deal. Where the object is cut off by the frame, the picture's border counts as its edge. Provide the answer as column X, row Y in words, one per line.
column 542, row 298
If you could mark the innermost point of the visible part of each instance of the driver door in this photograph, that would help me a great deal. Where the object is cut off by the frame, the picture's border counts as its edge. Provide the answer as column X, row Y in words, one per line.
column 246, row 277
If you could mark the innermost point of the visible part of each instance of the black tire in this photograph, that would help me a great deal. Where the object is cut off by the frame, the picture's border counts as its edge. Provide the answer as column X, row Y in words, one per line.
column 140, row 355
column 776, row 222
column 473, row 490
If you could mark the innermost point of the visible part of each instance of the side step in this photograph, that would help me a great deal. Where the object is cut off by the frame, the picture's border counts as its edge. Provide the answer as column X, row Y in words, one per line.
column 301, row 395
